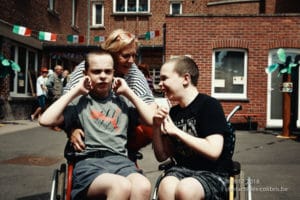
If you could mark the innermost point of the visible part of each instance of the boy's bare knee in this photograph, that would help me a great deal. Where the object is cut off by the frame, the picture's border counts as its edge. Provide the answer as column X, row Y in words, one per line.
column 189, row 189
column 141, row 186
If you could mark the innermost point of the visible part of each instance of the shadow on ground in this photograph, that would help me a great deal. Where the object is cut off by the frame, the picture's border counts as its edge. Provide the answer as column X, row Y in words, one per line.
column 44, row 196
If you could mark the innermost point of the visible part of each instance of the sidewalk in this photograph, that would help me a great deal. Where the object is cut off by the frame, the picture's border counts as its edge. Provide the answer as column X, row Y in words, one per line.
column 16, row 125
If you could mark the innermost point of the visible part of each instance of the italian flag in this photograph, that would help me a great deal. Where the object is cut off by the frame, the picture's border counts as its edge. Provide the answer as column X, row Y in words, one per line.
column 151, row 34
column 21, row 30
column 75, row 38
column 99, row 38
column 47, row 36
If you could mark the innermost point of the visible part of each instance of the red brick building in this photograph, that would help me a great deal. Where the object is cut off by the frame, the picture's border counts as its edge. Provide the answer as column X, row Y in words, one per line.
column 232, row 41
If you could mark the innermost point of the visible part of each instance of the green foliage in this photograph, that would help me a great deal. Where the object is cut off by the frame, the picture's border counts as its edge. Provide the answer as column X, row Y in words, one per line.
column 285, row 64
column 7, row 65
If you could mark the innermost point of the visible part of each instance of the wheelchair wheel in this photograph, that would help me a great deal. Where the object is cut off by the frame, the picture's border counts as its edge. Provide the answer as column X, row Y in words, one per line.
column 155, row 191
column 243, row 187
column 58, row 183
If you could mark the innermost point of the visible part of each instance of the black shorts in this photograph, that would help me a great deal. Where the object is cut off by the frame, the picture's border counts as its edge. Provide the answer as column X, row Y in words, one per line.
column 85, row 171
column 214, row 185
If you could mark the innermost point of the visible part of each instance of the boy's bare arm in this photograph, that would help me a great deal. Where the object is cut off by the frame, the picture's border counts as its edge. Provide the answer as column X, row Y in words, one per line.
column 160, row 142
column 210, row 147
column 145, row 110
column 53, row 116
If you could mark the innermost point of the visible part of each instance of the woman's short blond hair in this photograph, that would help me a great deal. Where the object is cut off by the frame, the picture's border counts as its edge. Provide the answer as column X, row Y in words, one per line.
column 118, row 40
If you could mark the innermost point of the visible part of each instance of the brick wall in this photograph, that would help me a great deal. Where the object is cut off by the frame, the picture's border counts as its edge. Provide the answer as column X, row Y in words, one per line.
column 198, row 36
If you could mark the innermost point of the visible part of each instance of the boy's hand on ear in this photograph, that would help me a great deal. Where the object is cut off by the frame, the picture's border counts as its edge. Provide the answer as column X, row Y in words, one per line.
column 119, row 86
column 84, row 86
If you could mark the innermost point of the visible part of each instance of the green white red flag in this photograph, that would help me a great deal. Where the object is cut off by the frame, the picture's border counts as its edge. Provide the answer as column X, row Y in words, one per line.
column 151, row 34
column 99, row 39
column 75, row 38
column 21, row 30
column 47, row 36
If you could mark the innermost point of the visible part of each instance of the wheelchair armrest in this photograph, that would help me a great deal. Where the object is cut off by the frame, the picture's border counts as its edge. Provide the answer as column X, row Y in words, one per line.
column 135, row 155
column 236, row 168
column 166, row 165
column 69, row 152
column 138, row 155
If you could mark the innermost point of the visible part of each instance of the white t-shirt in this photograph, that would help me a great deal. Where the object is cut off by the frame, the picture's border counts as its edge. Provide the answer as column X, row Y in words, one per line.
column 39, row 82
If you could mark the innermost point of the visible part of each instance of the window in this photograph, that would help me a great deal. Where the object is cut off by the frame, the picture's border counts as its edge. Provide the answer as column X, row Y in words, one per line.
column 74, row 13
column 22, row 84
column 131, row 6
column 175, row 8
column 98, row 14
column 229, row 75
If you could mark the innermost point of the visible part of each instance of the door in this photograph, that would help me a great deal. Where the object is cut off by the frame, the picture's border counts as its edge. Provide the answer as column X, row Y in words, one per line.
column 274, row 94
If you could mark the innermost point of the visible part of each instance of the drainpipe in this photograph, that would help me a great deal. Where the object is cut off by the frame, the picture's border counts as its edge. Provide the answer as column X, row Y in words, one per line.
column 88, row 23
column 164, row 42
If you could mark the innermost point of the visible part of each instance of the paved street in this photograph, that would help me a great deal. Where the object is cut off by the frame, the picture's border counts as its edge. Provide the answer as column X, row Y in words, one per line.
column 29, row 153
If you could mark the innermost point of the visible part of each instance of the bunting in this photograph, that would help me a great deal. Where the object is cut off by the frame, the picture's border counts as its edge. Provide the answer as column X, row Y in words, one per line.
column 21, row 30
column 75, row 38
column 47, row 36
column 99, row 39
column 151, row 34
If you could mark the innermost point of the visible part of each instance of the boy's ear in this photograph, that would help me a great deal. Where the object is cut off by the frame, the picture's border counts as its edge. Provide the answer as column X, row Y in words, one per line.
column 186, row 79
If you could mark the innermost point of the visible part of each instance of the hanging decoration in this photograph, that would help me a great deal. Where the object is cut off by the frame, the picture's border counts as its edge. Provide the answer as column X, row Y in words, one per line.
column 6, row 65
column 151, row 34
column 285, row 64
column 21, row 30
column 52, row 37
column 75, row 38
column 47, row 36
column 99, row 39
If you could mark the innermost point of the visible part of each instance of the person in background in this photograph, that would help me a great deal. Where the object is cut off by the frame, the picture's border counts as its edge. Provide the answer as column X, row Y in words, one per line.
column 123, row 46
column 55, row 83
column 146, row 71
column 192, row 133
column 66, row 77
column 41, row 93
column 100, row 103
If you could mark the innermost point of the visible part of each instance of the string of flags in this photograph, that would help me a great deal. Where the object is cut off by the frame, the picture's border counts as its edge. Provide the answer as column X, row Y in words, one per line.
column 52, row 37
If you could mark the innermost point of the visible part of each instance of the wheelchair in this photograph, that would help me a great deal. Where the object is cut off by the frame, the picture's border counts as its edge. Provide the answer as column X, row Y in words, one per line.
column 61, row 184
column 238, row 186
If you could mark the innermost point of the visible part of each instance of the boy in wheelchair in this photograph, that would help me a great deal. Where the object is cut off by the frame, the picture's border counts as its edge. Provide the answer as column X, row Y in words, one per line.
column 102, row 170
column 192, row 133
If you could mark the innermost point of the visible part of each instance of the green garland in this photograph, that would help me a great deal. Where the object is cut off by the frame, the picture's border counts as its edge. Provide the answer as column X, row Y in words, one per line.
column 287, row 65
column 6, row 66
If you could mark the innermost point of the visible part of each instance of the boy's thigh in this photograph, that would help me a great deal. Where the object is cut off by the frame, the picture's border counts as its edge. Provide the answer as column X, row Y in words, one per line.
column 87, row 170
column 214, row 186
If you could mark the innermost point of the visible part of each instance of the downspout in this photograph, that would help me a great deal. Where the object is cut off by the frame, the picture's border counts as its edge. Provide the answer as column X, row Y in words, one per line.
column 88, row 23
column 164, row 43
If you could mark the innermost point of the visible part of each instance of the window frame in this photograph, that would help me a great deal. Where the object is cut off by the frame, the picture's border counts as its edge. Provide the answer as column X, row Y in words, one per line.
column 171, row 7
column 94, row 14
column 27, row 90
column 230, row 96
column 115, row 11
